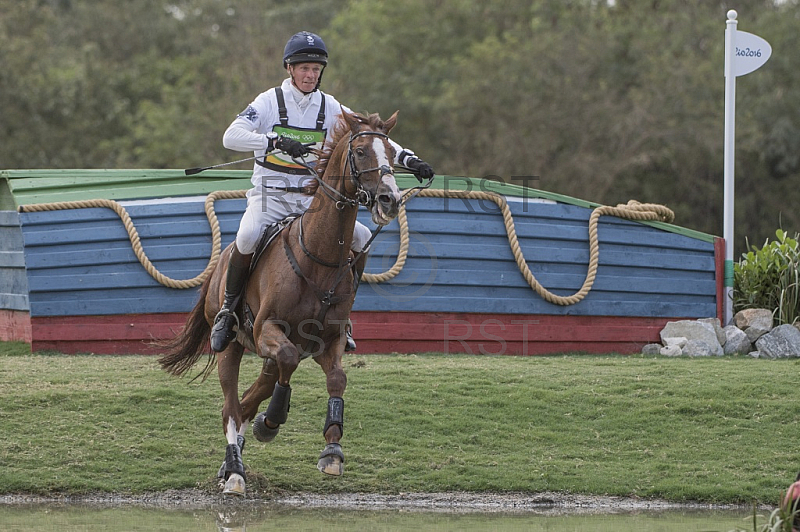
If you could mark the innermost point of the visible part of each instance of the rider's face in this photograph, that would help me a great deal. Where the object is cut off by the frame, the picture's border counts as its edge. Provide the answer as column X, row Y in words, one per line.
column 305, row 75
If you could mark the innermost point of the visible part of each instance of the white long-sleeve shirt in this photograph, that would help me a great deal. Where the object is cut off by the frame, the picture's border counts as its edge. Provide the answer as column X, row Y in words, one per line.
column 248, row 131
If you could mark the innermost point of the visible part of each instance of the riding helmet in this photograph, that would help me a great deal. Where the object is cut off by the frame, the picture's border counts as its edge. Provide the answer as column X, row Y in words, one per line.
column 305, row 47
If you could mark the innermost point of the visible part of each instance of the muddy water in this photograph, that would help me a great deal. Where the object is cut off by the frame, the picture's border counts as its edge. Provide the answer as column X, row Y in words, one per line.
column 74, row 518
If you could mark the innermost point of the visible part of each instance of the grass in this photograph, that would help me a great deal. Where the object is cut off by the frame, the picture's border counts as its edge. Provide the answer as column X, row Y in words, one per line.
column 720, row 430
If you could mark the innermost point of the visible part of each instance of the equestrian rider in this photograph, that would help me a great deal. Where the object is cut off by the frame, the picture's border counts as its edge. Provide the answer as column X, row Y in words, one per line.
column 282, row 124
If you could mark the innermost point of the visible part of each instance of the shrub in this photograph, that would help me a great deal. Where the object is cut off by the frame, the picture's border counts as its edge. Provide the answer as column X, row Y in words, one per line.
column 770, row 278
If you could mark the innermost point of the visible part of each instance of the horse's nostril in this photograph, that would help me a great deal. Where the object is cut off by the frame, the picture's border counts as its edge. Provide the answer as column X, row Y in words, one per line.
column 385, row 199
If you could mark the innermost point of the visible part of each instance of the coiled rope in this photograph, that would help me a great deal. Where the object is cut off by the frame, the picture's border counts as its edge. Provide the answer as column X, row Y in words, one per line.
column 633, row 210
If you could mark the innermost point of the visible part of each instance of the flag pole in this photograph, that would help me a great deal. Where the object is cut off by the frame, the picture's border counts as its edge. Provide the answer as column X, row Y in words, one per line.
column 730, row 128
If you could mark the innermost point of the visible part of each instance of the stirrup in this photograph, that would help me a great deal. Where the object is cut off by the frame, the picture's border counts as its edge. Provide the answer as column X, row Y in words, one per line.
column 223, row 332
column 226, row 312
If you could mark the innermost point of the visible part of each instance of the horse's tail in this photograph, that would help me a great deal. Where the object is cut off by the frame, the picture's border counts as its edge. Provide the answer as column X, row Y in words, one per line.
column 183, row 351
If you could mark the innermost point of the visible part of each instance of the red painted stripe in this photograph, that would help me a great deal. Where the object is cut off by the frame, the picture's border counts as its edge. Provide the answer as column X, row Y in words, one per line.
column 379, row 332
column 719, row 272
column 15, row 326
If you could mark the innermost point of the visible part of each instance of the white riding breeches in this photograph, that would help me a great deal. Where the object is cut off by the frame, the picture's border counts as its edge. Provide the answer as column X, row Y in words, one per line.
column 266, row 207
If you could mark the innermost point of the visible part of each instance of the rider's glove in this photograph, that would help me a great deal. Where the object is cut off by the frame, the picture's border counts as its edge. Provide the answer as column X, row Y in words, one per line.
column 292, row 147
column 420, row 168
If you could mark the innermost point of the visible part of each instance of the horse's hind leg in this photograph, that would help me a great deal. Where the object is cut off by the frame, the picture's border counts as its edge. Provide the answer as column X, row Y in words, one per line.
column 233, row 423
column 331, row 460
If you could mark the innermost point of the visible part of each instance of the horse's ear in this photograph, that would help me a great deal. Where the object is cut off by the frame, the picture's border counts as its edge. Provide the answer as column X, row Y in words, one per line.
column 390, row 123
column 352, row 121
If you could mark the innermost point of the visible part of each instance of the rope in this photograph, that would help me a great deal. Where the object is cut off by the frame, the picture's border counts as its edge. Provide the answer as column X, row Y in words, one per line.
column 633, row 210
column 133, row 234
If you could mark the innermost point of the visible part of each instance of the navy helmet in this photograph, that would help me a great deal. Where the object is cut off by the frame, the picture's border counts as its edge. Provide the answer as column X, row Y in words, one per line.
column 305, row 47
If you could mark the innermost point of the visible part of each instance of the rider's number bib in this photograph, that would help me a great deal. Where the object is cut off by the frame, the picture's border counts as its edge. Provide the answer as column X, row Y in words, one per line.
column 282, row 162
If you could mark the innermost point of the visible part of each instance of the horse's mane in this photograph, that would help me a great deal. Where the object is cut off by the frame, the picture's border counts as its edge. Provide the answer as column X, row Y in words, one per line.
column 340, row 129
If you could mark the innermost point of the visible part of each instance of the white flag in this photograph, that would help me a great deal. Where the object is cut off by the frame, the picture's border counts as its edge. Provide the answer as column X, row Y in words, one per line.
column 751, row 52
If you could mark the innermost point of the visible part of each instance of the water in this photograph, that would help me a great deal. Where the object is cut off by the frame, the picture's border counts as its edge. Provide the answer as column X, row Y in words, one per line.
column 238, row 518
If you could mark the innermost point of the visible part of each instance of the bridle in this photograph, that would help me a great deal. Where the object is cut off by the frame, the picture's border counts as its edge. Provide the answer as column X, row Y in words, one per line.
column 362, row 196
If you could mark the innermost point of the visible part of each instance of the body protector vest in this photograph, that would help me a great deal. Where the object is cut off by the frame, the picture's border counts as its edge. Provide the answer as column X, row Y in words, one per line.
column 282, row 162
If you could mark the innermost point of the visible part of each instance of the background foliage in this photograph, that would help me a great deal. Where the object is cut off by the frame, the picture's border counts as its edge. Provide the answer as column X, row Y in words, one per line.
column 769, row 277
column 603, row 102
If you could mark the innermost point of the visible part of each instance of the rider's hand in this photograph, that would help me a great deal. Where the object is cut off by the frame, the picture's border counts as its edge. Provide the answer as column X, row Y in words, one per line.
column 292, row 147
column 420, row 168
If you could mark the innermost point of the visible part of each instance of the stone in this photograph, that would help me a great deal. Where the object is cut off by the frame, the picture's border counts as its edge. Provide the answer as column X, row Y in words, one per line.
column 680, row 341
column 671, row 351
column 781, row 342
column 754, row 354
column 755, row 332
column 651, row 349
column 737, row 342
column 714, row 322
column 697, row 348
column 693, row 330
column 750, row 317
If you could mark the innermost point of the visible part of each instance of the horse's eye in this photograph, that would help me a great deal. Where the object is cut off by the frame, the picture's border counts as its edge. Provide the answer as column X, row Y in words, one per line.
column 360, row 152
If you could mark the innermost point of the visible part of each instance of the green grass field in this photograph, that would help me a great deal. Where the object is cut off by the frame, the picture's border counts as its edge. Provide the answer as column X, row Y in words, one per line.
column 715, row 429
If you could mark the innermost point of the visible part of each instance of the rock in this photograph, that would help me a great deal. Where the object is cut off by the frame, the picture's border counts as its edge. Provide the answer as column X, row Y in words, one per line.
column 697, row 348
column 694, row 330
column 781, row 342
column 714, row 322
column 680, row 341
column 651, row 349
column 750, row 317
column 737, row 342
column 671, row 351
column 754, row 354
column 755, row 332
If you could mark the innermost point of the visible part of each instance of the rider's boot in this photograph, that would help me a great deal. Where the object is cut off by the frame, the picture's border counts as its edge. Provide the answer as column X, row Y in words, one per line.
column 226, row 320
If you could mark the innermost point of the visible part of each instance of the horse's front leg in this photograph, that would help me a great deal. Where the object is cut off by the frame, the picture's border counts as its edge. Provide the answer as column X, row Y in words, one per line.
column 331, row 460
column 233, row 424
column 274, row 346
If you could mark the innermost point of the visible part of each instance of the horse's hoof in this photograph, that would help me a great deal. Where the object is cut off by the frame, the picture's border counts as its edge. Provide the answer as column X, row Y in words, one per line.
column 234, row 485
column 331, row 460
column 331, row 465
column 261, row 431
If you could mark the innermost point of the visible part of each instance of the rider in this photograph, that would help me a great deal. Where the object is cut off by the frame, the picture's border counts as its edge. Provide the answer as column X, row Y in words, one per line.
column 282, row 124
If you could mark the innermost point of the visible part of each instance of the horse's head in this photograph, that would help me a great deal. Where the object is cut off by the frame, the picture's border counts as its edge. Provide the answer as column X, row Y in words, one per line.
column 371, row 160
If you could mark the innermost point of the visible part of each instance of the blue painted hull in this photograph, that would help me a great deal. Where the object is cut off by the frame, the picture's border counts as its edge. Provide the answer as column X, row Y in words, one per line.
column 80, row 262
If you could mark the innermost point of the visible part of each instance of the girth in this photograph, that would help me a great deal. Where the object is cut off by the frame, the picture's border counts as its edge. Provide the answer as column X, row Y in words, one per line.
column 327, row 298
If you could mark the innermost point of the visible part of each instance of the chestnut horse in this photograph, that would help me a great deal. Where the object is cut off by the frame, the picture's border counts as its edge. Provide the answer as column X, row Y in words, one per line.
column 300, row 293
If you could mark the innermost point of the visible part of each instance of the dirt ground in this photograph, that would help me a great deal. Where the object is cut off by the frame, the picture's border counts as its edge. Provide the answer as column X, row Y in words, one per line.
column 540, row 503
